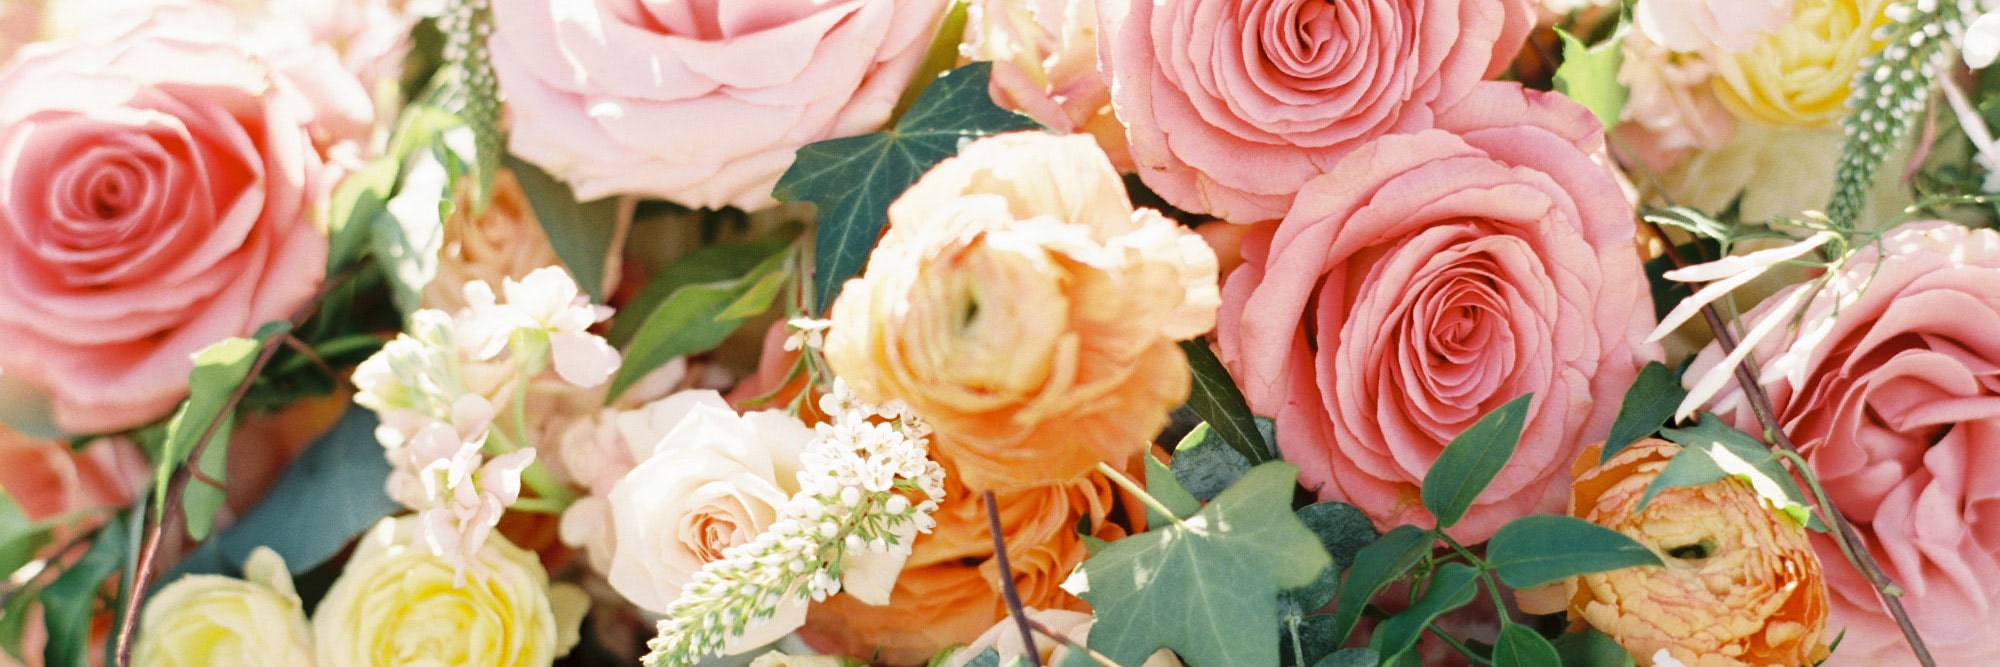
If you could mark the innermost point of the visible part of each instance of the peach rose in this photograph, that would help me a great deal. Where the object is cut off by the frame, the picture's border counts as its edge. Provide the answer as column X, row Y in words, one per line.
column 1890, row 395
column 160, row 195
column 699, row 103
column 1425, row 280
column 1741, row 586
column 1231, row 105
column 1044, row 55
column 507, row 241
column 948, row 592
column 1022, row 306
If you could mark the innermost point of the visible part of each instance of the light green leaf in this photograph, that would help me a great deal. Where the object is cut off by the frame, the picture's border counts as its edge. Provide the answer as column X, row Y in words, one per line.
column 1521, row 646
column 1381, row 562
column 357, row 202
column 1469, row 463
column 728, row 260
column 1196, row 588
column 1344, row 530
column 1451, row 586
column 1650, row 401
column 1589, row 74
column 1734, row 453
column 202, row 498
column 1205, row 465
column 581, row 233
column 689, row 321
column 20, row 538
column 853, row 179
column 1541, row 548
column 1217, row 400
column 218, row 370
column 756, row 298
column 1160, row 484
column 70, row 600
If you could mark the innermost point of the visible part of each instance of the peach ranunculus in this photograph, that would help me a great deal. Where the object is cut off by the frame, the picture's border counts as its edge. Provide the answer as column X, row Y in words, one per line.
column 1044, row 55
column 1740, row 587
column 948, row 592
column 700, row 103
column 1894, row 405
column 507, row 241
column 1027, row 311
column 1799, row 75
column 1231, row 105
column 1696, row 25
column 1425, row 280
column 161, row 187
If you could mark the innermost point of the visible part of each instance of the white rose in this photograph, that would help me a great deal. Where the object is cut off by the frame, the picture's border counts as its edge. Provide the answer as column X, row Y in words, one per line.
column 214, row 620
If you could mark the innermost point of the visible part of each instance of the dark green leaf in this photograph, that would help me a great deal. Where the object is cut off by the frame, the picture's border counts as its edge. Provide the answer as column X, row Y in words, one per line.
column 727, row 260
column 1589, row 74
column 1381, row 562
column 1737, row 453
column 690, row 321
column 1451, row 586
column 1541, row 548
column 20, row 538
column 1161, row 486
column 70, row 600
column 1218, row 401
column 1205, row 465
column 1344, row 531
column 1351, row 657
column 1590, row 648
column 853, row 179
column 1521, row 646
column 1691, row 466
column 1650, row 401
column 1469, row 463
column 581, row 232
column 1196, row 588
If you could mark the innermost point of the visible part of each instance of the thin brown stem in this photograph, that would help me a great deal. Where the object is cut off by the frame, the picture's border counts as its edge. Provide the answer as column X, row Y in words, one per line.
column 1007, row 590
column 308, row 354
column 1760, row 403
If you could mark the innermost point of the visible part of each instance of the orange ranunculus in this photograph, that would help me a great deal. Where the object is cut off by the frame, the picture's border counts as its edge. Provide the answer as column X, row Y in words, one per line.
column 1021, row 305
column 1741, row 585
column 948, row 592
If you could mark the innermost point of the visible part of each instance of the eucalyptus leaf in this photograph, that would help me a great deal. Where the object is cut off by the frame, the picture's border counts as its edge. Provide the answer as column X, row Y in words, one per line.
column 69, row 602
column 692, row 320
column 1651, row 400
column 1521, row 646
column 1217, row 400
column 1543, row 548
column 1344, row 531
column 582, row 233
column 1469, row 463
column 1381, row 562
column 1451, row 586
column 1205, row 465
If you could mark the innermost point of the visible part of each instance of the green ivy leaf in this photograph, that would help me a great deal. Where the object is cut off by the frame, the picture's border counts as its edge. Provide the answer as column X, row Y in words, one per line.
column 1195, row 588
column 1160, row 484
column 581, row 233
column 1541, row 548
column 1651, row 400
column 1381, row 562
column 1451, row 586
column 1590, row 648
column 1344, row 530
column 69, row 601
column 1205, row 465
column 1589, row 74
column 853, row 179
column 696, row 318
column 1469, row 463
column 1217, row 400
column 1521, row 646
column 218, row 369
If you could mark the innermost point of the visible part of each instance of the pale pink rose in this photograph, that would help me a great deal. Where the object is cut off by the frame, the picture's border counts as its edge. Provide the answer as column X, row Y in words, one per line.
column 160, row 195
column 1672, row 110
column 700, row 103
column 1044, row 55
column 1425, row 280
column 1890, row 387
column 1231, row 105
column 1695, row 25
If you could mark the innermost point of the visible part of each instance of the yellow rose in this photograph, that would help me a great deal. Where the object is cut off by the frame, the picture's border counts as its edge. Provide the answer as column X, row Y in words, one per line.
column 214, row 620
column 1022, row 305
column 397, row 604
column 1741, row 585
column 1799, row 75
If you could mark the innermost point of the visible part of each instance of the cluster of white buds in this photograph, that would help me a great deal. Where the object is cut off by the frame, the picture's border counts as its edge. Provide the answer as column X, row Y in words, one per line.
column 867, row 487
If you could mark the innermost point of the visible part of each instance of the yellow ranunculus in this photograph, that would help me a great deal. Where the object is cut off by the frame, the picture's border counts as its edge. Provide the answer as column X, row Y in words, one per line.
column 214, row 620
column 1799, row 75
column 397, row 604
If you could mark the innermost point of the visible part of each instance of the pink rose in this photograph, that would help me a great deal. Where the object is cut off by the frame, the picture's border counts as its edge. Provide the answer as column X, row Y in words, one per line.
column 1044, row 55
column 1425, row 280
column 1896, row 407
column 157, row 194
column 1231, row 105
column 700, row 103
column 1695, row 25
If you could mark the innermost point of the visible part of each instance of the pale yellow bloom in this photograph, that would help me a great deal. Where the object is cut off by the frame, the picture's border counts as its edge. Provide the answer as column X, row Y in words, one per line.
column 1799, row 76
column 215, row 620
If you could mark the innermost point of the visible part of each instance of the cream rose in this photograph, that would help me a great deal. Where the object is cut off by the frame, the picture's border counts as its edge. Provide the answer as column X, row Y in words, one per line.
column 396, row 604
column 711, row 479
column 1799, row 75
column 216, row 620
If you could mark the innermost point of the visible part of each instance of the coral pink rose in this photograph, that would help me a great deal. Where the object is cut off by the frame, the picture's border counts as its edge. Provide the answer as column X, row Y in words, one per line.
column 1896, row 406
column 701, row 103
column 1231, row 105
column 1425, row 280
column 157, row 194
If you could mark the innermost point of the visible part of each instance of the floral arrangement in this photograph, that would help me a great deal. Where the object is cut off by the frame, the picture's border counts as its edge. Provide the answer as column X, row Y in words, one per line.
column 986, row 332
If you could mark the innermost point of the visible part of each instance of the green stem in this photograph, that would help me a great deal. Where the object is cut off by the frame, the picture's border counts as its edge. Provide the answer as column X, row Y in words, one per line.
column 538, row 478
column 1485, row 572
column 1458, row 646
column 1819, row 493
column 1126, row 483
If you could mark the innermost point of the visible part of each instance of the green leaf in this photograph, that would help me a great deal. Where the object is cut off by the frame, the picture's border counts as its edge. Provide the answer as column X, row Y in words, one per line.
column 1734, row 453
column 1351, row 657
column 1541, row 548
column 20, row 537
column 1217, row 400
column 1590, row 648
column 1196, row 588
column 1451, row 586
column 756, row 298
column 201, row 498
column 1344, row 530
column 1589, row 74
column 1381, row 562
column 14, row 620
column 581, row 233
column 853, row 179
column 70, row 600
column 691, row 320
column 722, row 261
column 1691, row 466
column 357, row 202
column 218, row 370
column 1205, row 465
column 1160, row 484
column 408, row 236
column 986, row 658
column 1648, row 404
column 1469, row 463
column 1521, row 646
column 338, row 481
